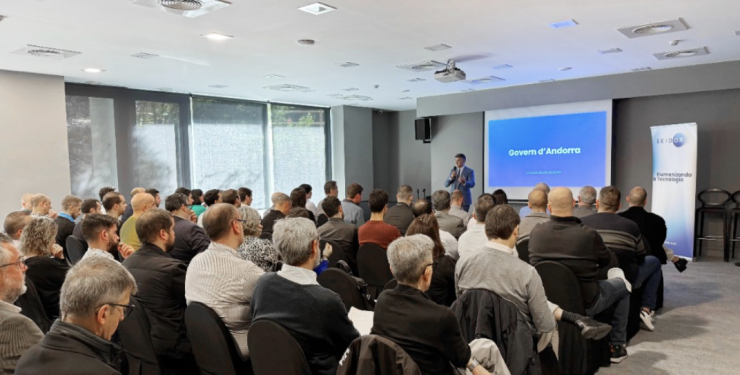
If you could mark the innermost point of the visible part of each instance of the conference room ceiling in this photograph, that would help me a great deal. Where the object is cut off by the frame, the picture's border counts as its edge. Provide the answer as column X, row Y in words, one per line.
column 358, row 46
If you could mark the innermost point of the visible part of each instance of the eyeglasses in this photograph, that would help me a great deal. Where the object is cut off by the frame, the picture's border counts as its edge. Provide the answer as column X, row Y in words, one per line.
column 127, row 309
column 20, row 264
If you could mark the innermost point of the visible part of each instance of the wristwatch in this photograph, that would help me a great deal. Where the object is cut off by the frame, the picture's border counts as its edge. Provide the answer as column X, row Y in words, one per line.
column 473, row 364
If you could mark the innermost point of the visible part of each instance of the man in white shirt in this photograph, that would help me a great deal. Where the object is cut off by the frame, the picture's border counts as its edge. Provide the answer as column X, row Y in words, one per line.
column 475, row 237
column 101, row 234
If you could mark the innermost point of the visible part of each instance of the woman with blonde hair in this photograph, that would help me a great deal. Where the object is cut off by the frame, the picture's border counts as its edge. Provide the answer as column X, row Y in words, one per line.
column 45, row 260
column 255, row 249
column 442, row 288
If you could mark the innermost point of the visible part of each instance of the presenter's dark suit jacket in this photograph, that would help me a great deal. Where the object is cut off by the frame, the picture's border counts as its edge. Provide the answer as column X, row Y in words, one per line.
column 652, row 227
column 469, row 175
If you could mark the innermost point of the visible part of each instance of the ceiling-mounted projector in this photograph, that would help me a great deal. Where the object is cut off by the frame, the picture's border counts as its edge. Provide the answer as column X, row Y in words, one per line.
column 450, row 73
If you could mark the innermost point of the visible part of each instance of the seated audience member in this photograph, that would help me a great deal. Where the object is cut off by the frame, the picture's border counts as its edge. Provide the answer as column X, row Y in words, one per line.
column 353, row 213
column 474, row 238
column 310, row 206
column 71, row 208
column 161, row 282
column 623, row 237
column 495, row 267
column 473, row 221
column 197, row 205
column 442, row 288
column 400, row 215
column 245, row 196
column 115, row 205
column 14, row 224
column 537, row 203
column 45, row 261
column 499, row 197
column 299, row 212
column 339, row 231
column 456, row 201
column 95, row 298
column 651, row 226
column 186, row 192
column 314, row 316
column 451, row 224
column 101, row 234
column 41, row 204
column 88, row 206
column 211, row 197
column 190, row 239
column 330, row 189
column 283, row 205
column 231, row 196
column 142, row 202
column 376, row 231
column 255, row 249
column 129, row 211
column 219, row 279
column 421, row 207
column 429, row 333
column 298, row 198
column 524, row 211
column 26, row 205
column 154, row 193
column 586, row 200
column 580, row 248
column 17, row 332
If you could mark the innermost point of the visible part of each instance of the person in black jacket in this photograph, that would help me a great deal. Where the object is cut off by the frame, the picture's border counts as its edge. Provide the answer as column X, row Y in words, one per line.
column 651, row 226
column 283, row 204
column 428, row 332
column 71, row 208
column 95, row 297
column 190, row 239
column 161, row 282
column 400, row 215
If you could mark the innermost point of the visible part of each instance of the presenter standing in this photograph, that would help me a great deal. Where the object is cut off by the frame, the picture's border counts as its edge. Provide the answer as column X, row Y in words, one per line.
column 461, row 178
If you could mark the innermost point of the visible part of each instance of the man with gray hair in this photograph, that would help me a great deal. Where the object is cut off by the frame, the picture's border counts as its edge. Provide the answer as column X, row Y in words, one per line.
column 586, row 200
column 95, row 298
column 400, row 215
column 524, row 211
column 219, row 278
column 190, row 239
column 17, row 332
column 456, row 201
column 314, row 316
column 283, row 204
column 448, row 223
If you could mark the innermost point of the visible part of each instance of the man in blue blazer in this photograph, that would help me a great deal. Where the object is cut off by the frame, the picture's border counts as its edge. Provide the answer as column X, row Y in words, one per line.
column 461, row 178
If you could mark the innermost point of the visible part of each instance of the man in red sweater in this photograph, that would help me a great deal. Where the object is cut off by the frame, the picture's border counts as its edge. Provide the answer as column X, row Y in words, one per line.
column 376, row 231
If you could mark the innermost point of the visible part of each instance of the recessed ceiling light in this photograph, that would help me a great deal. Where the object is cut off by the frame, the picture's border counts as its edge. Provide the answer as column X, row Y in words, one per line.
column 217, row 36
column 348, row 64
column 654, row 28
column 682, row 53
column 483, row 80
column 546, row 80
column 610, row 50
column 306, row 42
column 417, row 80
column 565, row 69
column 641, row 69
column 438, row 47
column 502, row 66
column 218, row 86
column 422, row 66
column 273, row 76
column 317, row 8
column 182, row 4
column 564, row 24
column 93, row 70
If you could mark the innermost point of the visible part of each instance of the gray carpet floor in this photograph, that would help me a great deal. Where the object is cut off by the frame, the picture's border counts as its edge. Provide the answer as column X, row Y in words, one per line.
column 698, row 329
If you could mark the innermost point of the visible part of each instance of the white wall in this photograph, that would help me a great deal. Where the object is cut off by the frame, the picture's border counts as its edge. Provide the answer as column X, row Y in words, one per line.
column 33, row 131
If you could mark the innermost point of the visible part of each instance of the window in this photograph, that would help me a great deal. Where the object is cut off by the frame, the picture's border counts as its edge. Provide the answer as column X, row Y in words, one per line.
column 155, row 151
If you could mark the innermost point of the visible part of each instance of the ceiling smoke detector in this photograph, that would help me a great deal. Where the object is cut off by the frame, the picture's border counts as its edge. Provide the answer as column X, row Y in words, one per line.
column 655, row 28
column 45, row 52
column 682, row 53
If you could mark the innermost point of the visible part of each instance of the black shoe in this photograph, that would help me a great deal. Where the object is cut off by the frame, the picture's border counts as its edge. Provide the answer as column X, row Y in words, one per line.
column 619, row 353
column 681, row 264
column 591, row 329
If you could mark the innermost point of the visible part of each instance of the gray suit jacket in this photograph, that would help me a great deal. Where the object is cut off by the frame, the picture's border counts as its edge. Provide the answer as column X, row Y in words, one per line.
column 450, row 223
column 17, row 334
column 584, row 211
column 459, row 212
column 400, row 216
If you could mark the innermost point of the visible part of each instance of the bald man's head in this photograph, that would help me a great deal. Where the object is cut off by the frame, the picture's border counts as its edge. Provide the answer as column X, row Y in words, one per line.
column 561, row 202
column 141, row 203
column 537, row 200
column 637, row 197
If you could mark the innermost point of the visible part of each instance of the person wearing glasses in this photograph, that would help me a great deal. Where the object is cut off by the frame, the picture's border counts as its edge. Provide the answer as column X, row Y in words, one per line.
column 17, row 332
column 95, row 298
column 161, row 282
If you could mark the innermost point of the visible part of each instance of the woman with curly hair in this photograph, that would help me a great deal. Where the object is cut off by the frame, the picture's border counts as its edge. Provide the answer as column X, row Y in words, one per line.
column 442, row 288
column 45, row 261
column 255, row 249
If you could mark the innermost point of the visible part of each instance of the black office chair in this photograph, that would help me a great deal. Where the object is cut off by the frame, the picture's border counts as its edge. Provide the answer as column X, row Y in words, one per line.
column 345, row 285
column 372, row 262
column 577, row 355
column 274, row 351
column 734, row 214
column 76, row 249
column 387, row 358
column 134, row 333
column 712, row 203
column 213, row 346
column 337, row 252
column 523, row 249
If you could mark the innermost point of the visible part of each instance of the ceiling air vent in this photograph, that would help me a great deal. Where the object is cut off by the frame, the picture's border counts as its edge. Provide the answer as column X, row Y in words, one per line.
column 348, row 64
column 144, row 55
column 656, row 28
column 45, row 52
column 482, row 80
column 682, row 53
column 423, row 66
column 185, row 8
column 350, row 97
column 289, row 88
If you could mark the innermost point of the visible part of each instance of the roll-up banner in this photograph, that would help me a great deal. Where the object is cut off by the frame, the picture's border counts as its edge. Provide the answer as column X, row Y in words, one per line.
column 674, row 183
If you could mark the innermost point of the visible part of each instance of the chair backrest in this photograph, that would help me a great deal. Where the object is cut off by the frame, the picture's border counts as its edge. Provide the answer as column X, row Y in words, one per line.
column 274, row 351
column 372, row 263
column 213, row 346
column 736, row 198
column 561, row 286
column 134, row 332
column 386, row 358
column 337, row 252
column 714, row 197
column 343, row 284
column 523, row 249
column 76, row 249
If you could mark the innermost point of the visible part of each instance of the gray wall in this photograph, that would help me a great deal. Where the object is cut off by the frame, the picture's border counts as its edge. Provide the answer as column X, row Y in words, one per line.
column 352, row 147
column 452, row 135
column 33, row 130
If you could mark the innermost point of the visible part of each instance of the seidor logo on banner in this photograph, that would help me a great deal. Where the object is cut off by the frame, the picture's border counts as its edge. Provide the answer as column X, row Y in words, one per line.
column 674, row 183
